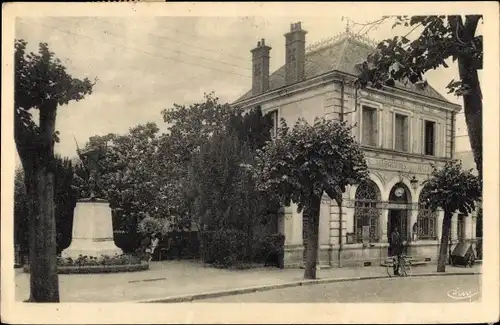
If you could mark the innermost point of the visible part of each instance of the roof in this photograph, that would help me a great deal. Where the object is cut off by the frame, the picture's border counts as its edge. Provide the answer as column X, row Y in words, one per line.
column 341, row 53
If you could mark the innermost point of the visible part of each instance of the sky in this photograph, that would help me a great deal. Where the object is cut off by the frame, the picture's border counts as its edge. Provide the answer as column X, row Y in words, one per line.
column 144, row 65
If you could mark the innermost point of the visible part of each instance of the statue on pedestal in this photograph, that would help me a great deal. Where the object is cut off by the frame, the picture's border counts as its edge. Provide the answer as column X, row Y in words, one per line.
column 92, row 221
column 90, row 159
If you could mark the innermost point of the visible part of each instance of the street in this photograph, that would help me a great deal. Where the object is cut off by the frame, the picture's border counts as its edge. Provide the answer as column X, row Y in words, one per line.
column 413, row 289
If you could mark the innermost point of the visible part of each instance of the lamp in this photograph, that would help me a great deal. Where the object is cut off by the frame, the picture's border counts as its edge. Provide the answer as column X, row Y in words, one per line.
column 414, row 182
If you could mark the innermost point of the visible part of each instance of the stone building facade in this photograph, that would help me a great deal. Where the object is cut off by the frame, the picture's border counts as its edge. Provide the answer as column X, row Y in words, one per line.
column 402, row 131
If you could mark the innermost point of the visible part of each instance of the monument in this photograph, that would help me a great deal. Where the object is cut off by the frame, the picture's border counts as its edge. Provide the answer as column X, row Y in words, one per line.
column 92, row 221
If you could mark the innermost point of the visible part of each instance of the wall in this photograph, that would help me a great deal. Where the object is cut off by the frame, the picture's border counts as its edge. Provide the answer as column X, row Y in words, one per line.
column 308, row 105
column 461, row 134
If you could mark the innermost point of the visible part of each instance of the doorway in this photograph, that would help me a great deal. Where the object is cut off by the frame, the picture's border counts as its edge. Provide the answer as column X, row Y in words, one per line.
column 398, row 214
column 398, row 218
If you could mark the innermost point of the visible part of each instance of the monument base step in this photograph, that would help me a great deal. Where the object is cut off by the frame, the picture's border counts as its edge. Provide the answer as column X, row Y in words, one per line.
column 91, row 248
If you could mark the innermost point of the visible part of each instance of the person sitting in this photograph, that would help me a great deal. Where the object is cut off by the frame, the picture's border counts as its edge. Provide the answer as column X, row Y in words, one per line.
column 152, row 246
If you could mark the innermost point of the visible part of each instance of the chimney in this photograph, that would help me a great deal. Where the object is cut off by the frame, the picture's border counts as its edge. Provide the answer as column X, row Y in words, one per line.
column 295, row 49
column 260, row 69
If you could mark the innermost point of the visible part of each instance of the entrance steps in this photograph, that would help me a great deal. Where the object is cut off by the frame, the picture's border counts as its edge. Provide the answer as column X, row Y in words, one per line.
column 414, row 261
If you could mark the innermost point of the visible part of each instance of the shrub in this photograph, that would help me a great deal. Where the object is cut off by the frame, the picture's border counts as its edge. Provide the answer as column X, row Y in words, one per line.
column 82, row 261
column 150, row 225
column 270, row 249
column 225, row 247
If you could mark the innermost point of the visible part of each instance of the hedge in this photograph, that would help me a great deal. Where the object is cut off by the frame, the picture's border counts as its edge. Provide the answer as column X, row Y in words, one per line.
column 90, row 269
column 228, row 248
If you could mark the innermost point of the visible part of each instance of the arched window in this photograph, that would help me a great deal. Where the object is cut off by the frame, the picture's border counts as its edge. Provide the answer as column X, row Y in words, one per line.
column 366, row 213
column 426, row 219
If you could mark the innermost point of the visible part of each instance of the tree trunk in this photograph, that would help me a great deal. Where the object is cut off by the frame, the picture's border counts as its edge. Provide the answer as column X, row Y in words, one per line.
column 312, row 239
column 473, row 102
column 44, row 283
column 443, row 248
column 473, row 110
column 36, row 150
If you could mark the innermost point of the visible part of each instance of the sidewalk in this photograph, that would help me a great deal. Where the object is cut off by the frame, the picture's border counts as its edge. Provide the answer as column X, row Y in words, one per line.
column 187, row 278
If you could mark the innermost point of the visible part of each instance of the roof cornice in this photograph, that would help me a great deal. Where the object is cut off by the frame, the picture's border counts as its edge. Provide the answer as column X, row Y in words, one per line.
column 335, row 75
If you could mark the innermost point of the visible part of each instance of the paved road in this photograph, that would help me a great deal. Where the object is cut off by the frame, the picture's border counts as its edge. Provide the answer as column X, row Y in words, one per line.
column 417, row 289
column 177, row 278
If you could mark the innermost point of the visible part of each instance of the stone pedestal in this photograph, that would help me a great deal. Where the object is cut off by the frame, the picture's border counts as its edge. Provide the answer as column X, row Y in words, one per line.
column 92, row 230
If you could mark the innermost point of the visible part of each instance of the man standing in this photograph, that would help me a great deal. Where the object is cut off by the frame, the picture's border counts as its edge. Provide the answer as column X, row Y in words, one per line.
column 396, row 249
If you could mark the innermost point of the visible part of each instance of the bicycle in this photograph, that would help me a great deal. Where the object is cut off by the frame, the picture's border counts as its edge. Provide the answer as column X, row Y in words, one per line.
column 404, row 268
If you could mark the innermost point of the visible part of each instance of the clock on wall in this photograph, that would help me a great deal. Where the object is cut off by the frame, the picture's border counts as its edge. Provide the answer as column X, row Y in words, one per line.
column 399, row 192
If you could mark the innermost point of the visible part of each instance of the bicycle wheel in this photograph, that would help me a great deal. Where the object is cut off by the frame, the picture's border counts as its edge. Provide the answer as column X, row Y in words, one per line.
column 406, row 269
column 389, row 268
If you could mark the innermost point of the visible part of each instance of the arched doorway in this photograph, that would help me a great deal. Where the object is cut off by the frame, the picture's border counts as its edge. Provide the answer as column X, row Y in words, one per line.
column 366, row 212
column 399, row 198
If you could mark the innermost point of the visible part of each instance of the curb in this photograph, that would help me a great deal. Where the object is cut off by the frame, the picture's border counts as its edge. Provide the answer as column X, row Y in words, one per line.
column 98, row 269
column 261, row 288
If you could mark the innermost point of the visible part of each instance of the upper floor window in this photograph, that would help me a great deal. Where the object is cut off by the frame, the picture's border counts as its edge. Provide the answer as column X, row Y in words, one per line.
column 401, row 133
column 429, row 138
column 275, row 121
column 369, row 126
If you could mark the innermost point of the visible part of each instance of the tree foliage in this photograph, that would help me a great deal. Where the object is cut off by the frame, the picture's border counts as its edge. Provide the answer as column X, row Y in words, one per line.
column 440, row 38
column 454, row 190
column 224, row 189
column 309, row 160
column 41, row 82
column 225, row 192
column 128, row 176
column 189, row 127
column 303, row 163
column 186, row 174
column 230, row 209
column 65, row 201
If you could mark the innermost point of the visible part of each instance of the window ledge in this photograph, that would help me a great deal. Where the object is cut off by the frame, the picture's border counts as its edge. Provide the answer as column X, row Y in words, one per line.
column 424, row 242
column 369, row 245
column 391, row 151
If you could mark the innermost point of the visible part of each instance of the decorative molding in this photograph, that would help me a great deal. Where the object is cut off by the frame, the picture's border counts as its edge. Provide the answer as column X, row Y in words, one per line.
column 386, row 205
column 372, row 151
column 327, row 42
column 336, row 76
column 383, row 177
column 398, row 166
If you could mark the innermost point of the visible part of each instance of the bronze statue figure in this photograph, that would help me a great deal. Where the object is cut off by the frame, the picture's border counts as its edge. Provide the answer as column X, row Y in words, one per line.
column 90, row 160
